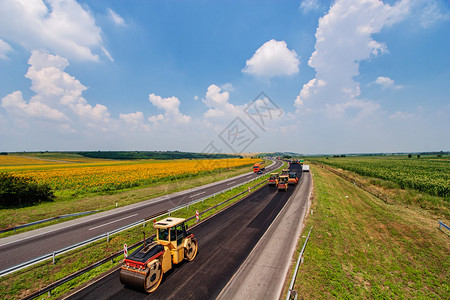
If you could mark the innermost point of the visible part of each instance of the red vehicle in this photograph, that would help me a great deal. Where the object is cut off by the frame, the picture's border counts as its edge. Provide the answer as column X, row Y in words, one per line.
column 259, row 167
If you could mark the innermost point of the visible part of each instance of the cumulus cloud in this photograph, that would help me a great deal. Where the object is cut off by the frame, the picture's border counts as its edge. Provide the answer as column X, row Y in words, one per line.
column 343, row 40
column 62, row 26
column 118, row 20
column 272, row 59
column 170, row 106
column 218, row 103
column 386, row 83
column 135, row 120
column 15, row 104
column 58, row 95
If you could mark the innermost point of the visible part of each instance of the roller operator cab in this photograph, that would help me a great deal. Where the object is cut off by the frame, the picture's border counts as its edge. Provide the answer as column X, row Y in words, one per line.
column 283, row 183
column 273, row 179
column 145, row 267
column 293, row 178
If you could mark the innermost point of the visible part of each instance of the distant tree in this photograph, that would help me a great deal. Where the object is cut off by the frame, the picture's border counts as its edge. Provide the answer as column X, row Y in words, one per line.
column 20, row 191
column 409, row 155
column 418, row 155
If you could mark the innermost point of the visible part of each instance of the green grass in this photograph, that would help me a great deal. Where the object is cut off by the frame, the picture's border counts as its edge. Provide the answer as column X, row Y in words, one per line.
column 427, row 175
column 18, row 285
column 361, row 247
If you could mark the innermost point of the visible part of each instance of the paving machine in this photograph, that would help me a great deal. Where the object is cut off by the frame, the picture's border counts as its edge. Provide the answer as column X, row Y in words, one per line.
column 145, row 267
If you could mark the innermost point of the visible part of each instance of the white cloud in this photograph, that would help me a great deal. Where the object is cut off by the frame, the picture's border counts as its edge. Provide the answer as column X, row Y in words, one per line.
column 62, row 26
column 386, row 83
column 118, row 20
column 4, row 49
column 430, row 13
column 343, row 40
column 273, row 58
column 218, row 103
column 309, row 5
column 135, row 120
column 58, row 95
column 170, row 106
column 16, row 105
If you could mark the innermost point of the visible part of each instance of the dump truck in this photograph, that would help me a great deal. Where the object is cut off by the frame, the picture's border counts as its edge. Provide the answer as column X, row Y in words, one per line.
column 283, row 183
column 273, row 179
column 293, row 179
column 259, row 167
column 144, row 268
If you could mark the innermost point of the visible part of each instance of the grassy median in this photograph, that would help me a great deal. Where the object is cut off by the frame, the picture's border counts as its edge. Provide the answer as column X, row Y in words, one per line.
column 362, row 247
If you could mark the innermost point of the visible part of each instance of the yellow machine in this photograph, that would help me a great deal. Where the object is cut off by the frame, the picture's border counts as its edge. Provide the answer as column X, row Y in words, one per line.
column 273, row 179
column 285, row 172
column 145, row 267
column 283, row 183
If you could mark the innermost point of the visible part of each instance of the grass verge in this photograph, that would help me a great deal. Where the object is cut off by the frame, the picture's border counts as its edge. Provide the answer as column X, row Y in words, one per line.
column 18, row 285
column 362, row 247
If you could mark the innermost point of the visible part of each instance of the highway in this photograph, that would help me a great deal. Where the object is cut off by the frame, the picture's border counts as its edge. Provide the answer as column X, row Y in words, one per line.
column 22, row 247
column 225, row 242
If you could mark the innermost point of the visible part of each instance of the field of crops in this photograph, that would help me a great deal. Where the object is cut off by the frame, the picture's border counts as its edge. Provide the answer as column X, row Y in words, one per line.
column 426, row 175
column 111, row 175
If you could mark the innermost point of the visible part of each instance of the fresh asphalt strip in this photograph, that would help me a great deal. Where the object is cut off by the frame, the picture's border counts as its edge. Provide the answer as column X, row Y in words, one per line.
column 225, row 240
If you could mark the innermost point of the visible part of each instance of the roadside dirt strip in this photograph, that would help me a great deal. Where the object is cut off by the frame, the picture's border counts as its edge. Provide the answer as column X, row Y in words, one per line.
column 263, row 273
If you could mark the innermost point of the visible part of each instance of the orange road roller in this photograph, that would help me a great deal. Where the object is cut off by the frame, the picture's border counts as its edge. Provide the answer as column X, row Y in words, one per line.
column 145, row 267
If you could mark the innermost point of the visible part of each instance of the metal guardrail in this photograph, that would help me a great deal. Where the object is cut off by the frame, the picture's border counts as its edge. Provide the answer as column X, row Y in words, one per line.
column 49, row 219
column 108, row 234
column 70, row 277
column 300, row 259
column 441, row 224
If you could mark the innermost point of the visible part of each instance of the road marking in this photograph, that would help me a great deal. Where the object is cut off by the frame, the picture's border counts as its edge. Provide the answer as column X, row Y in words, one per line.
column 113, row 222
column 196, row 195
column 231, row 183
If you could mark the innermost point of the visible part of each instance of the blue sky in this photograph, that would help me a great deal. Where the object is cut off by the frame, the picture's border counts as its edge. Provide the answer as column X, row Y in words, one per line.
column 233, row 76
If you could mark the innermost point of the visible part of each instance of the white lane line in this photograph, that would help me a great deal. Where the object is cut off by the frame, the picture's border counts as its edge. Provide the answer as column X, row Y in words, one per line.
column 113, row 221
column 196, row 195
column 230, row 183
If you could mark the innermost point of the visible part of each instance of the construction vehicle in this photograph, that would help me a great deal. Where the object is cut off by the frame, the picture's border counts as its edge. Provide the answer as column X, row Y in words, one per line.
column 293, row 179
column 301, row 162
column 305, row 168
column 145, row 267
column 285, row 172
column 283, row 183
column 259, row 167
column 273, row 179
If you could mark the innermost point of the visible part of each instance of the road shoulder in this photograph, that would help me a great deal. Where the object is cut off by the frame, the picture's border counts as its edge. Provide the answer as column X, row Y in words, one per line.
column 263, row 273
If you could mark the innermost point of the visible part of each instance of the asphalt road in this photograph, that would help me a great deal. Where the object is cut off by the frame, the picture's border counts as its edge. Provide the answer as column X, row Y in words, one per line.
column 23, row 247
column 225, row 241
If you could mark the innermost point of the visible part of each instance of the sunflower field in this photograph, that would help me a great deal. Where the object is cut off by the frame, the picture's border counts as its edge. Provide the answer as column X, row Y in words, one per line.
column 112, row 175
